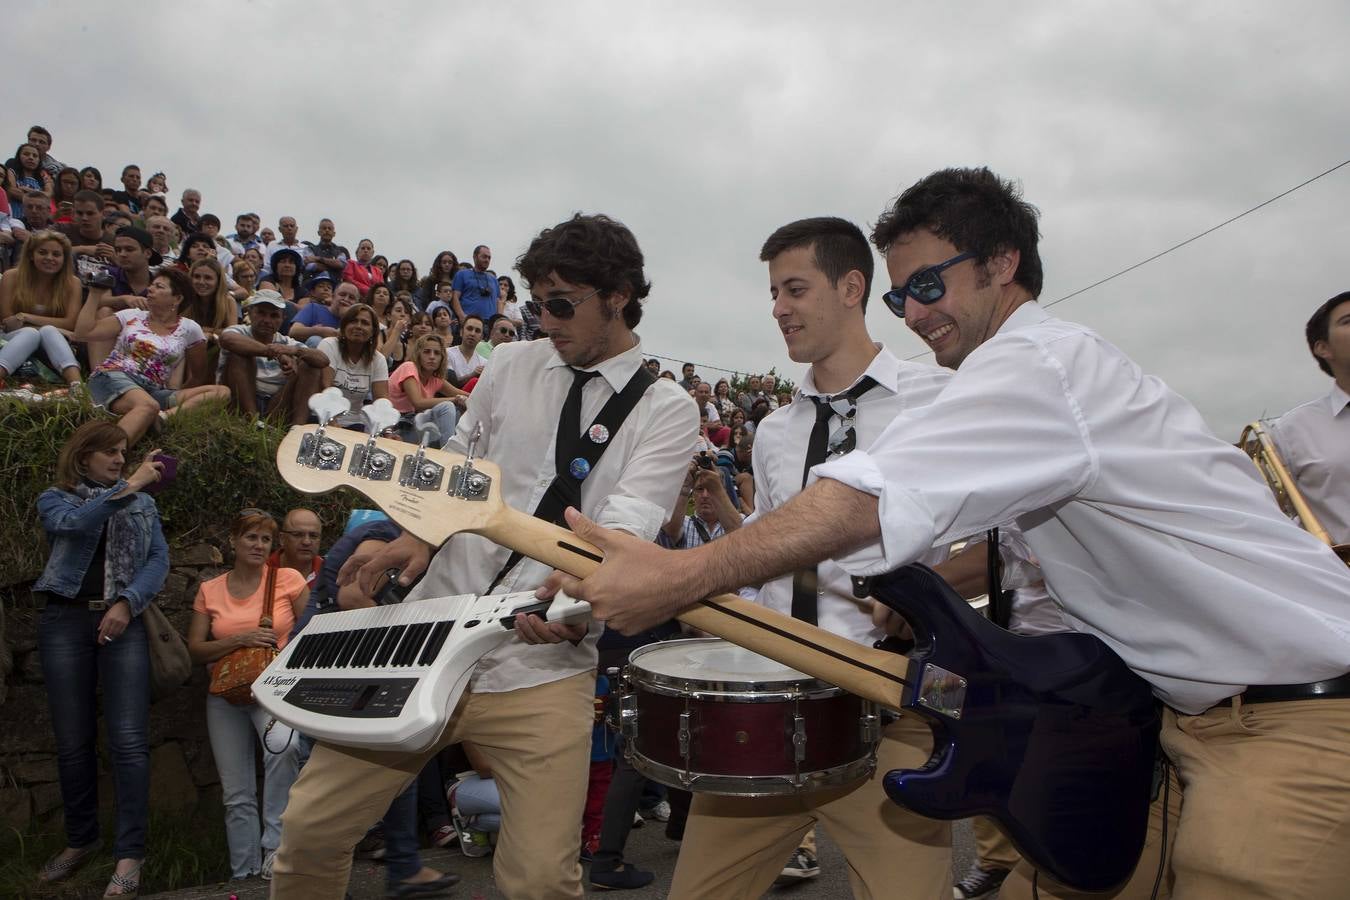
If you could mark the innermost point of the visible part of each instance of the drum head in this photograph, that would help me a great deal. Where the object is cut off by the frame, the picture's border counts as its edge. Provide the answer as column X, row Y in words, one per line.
column 713, row 662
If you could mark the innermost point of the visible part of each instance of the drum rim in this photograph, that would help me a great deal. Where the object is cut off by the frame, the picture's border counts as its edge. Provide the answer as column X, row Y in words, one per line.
column 806, row 687
column 723, row 785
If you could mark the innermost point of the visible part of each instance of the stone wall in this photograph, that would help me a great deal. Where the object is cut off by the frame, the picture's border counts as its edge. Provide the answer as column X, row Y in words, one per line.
column 182, row 769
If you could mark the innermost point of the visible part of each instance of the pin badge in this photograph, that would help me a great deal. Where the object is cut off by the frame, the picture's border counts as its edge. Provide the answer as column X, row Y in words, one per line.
column 579, row 469
column 598, row 434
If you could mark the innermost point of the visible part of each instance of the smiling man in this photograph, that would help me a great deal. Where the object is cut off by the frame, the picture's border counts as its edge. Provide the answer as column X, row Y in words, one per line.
column 1152, row 533
column 579, row 421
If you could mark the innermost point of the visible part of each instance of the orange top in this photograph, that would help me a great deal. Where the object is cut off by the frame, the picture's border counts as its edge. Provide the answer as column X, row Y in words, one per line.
column 232, row 616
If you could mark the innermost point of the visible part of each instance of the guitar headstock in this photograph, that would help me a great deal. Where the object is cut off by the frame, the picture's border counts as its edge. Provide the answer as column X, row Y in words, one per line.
column 431, row 493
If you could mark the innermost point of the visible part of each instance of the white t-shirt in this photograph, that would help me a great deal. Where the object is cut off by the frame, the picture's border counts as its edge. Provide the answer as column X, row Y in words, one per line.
column 463, row 368
column 270, row 377
column 354, row 378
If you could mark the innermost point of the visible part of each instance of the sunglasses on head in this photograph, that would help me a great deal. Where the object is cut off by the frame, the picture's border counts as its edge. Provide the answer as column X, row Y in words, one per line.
column 558, row 307
column 925, row 285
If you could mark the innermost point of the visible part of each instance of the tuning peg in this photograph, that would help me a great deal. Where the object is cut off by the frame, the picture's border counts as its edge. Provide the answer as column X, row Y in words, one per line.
column 327, row 404
column 379, row 416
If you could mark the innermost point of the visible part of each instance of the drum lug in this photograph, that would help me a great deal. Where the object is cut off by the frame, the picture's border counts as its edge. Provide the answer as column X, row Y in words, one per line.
column 628, row 716
column 798, row 739
column 684, row 746
column 871, row 728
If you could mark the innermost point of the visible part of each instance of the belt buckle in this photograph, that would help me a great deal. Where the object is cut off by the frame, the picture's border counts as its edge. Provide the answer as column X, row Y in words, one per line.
column 98, row 605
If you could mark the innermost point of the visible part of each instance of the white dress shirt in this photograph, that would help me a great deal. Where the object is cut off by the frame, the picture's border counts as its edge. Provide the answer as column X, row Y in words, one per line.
column 518, row 400
column 779, row 456
column 1314, row 442
column 1153, row 534
column 299, row 247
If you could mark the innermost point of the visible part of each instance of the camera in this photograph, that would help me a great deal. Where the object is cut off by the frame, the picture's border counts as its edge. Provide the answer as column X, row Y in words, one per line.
column 704, row 460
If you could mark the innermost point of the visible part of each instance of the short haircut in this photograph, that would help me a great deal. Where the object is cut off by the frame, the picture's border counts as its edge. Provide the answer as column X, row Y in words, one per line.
column 89, row 438
column 87, row 196
column 1319, row 327
column 441, row 284
column 479, row 247
column 473, row 316
column 40, row 130
column 974, row 210
column 129, row 166
column 180, row 285
column 592, row 250
column 837, row 245
column 209, row 219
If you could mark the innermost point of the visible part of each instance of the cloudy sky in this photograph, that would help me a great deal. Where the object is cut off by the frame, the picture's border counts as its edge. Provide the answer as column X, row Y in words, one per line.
column 704, row 126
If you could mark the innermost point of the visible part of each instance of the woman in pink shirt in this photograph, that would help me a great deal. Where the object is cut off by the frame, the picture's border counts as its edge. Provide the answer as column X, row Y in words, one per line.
column 225, row 618
column 419, row 385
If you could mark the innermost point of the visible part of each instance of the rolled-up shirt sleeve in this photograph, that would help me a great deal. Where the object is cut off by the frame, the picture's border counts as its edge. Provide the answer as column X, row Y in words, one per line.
column 1005, row 437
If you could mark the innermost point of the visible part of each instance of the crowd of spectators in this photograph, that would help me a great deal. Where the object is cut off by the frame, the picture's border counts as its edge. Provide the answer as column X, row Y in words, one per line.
column 149, row 313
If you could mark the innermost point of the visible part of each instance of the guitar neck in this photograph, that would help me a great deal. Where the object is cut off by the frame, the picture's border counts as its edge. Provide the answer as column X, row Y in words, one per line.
column 870, row 673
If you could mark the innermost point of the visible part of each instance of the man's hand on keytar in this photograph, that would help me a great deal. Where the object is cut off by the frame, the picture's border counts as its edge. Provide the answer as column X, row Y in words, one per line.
column 637, row 586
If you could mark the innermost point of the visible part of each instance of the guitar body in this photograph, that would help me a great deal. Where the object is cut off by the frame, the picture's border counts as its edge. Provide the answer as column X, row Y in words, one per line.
column 1056, row 739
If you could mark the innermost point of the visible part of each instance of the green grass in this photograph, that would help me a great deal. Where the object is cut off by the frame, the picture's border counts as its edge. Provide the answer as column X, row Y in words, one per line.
column 184, row 850
column 225, row 463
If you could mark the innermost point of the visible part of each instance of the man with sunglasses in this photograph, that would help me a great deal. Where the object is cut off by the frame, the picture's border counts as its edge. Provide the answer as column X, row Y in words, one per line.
column 543, row 409
column 500, row 330
column 1152, row 533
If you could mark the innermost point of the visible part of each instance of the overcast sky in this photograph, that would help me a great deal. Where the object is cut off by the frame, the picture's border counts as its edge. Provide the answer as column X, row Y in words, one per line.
column 704, row 126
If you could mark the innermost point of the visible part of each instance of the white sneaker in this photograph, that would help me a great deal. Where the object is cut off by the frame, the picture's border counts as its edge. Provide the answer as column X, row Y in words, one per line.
column 638, row 821
column 268, row 858
column 661, row 811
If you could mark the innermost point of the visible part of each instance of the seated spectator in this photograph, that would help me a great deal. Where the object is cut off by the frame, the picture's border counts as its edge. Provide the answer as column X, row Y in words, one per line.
column 221, row 245
column 195, row 246
column 290, row 240
column 301, row 532
column 245, row 234
column 129, row 198
column 511, row 307
column 226, row 617
column 187, row 216
column 476, row 806
column 93, row 253
column 285, row 275
column 394, row 329
column 97, row 582
column 325, row 255
column 402, row 277
column 361, row 271
column 245, row 277
column 91, row 179
column 39, row 306
column 210, row 305
column 722, row 397
column 443, row 268
column 378, row 298
column 353, row 365
column 162, row 238
column 500, row 331
column 465, row 363
column 266, row 372
column 67, row 185
column 158, row 184
column 319, row 289
column 25, row 173
column 154, row 205
column 419, row 386
column 444, row 297
column 133, row 382
column 442, row 322
column 316, row 321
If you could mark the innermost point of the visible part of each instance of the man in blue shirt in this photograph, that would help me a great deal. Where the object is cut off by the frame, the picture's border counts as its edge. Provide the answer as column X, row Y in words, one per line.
column 475, row 292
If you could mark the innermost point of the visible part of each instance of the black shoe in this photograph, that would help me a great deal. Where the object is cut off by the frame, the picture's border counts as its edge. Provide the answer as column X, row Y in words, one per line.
column 371, row 846
column 622, row 878
column 979, row 883
column 801, row 865
column 406, row 889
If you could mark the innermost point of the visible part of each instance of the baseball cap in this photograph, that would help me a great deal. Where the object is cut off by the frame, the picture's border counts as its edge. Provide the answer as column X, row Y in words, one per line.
column 272, row 298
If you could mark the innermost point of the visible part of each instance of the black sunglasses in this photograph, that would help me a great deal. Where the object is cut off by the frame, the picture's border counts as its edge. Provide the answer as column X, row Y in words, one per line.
column 925, row 285
column 558, row 307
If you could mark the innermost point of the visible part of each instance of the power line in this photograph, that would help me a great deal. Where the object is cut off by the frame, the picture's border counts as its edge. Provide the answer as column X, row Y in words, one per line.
column 1188, row 240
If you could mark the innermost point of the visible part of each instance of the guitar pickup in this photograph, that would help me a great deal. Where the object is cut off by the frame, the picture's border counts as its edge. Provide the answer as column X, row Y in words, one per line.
column 318, row 451
column 372, row 463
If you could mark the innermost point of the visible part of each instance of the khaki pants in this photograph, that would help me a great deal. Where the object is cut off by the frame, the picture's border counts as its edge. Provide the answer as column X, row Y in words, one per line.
column 538, row 742
column 993, row 850
column 1266, row 811
column 734, row 847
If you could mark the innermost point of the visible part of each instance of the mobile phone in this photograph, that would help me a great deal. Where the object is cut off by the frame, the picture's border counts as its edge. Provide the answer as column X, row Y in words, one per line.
column 166, row 476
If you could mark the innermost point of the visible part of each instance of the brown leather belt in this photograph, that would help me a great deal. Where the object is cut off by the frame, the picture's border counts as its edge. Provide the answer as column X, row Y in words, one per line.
column 1280, row 693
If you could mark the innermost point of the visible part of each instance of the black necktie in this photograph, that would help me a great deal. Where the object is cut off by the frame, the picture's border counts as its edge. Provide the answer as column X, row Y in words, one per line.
column 569, row 423
column 805, row 582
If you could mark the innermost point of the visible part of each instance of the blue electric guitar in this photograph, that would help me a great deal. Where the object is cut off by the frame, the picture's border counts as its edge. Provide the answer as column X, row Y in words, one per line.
column 1052, row 736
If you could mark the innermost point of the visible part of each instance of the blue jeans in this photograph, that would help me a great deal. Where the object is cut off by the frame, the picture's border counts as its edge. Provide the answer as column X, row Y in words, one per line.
column 74, row 665
column 235, row 731
column 23, row 344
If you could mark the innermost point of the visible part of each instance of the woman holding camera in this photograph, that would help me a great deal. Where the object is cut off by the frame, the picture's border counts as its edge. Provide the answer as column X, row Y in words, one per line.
column 226, row 616
column 108, row 560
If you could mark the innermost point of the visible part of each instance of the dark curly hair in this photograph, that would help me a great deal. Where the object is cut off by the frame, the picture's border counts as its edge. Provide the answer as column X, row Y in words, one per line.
column 1319, row 327
column 973, row 209
column 592, row 250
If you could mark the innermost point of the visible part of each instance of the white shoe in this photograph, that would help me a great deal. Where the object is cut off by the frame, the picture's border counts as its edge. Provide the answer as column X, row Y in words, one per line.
column 268, row 858
column 661, row 811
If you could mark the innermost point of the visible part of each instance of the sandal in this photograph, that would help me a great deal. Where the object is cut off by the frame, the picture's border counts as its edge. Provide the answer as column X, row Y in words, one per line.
column 58, row 869
column 129, row 884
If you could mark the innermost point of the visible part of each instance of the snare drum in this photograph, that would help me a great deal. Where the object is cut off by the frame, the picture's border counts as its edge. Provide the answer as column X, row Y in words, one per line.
column 708, row 716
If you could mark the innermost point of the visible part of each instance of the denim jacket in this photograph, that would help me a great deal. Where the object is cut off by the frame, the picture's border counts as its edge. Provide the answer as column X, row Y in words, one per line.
column 73, row 525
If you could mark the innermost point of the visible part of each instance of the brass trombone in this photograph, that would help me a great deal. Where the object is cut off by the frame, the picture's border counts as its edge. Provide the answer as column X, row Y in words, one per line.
column 1257, row 443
